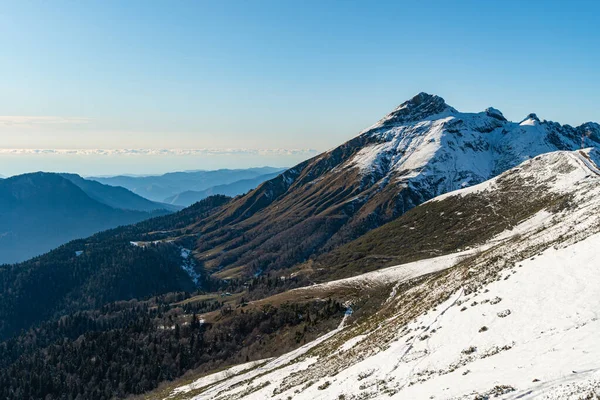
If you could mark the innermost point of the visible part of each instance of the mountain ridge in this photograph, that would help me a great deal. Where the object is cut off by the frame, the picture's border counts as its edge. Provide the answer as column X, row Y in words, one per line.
column 40, row 211
column 230, row 189
column 420, row 150
column 160, row 187
column 116, row 196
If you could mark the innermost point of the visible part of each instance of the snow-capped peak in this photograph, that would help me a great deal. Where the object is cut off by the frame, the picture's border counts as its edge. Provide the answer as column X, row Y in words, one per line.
column 427, row 145
column 421, row 107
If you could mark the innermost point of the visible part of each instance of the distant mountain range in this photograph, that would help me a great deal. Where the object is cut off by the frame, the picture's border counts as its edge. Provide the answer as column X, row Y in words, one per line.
column 41, row 211
column 168, row 186
column 230, row 189
column 117, row 197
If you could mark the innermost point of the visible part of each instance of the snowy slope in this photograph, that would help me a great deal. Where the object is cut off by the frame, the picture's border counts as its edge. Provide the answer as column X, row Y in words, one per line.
column 516, row 318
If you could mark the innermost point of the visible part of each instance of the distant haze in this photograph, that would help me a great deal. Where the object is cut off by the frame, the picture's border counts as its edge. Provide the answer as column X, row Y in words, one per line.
column 93, row 162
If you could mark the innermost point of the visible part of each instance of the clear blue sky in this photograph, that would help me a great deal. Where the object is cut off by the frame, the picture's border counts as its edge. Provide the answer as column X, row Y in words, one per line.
column 274, row 74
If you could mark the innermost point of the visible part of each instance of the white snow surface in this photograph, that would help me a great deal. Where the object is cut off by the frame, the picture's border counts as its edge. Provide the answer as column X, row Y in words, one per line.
column 554, row 303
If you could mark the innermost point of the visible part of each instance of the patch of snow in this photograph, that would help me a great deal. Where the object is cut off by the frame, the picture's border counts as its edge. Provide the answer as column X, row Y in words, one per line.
column 352, row 342
column 189, row 265
column 185, row 253
column 529, row 122
column 216, row 377
column 396, row 274
column 146, row 244
column 551, row 330
column 538, row 220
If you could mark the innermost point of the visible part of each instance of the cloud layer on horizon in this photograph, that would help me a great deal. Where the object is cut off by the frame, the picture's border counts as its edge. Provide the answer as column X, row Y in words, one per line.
column 160, row 152
column 21, row 120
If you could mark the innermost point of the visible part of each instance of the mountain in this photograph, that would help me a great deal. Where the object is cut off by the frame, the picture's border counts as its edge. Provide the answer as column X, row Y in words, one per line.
column 231, row 189
column 346, row 276
column 41, row 211
column 422, row 149
column 509, row 314
column 295, row 222
column 161, row 187
column 115, row 196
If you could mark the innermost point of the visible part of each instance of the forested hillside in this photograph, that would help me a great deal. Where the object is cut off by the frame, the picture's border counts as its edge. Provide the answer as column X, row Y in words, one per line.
column 106, row 267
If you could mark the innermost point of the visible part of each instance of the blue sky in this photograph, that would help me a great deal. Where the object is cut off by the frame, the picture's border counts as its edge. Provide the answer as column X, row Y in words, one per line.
column 273, row 74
